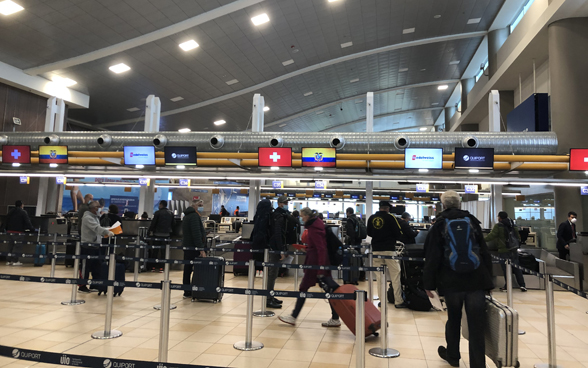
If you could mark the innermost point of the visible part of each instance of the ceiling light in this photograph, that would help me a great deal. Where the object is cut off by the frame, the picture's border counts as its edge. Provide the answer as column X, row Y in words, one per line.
column 454, row 62
column 474, row 171
column 266, row 108
column 332, row 1
column 442, row 87
column 232, row 81
column 260, row 19
column 307, row 94
column 437, row 16
column 318, row 168
column 139, row 166
column 15, row 164
column 320, row 112
column 358, row 101
column 9, row 7
column 220, row 122
column 53, row 165
column 408, row 30
column 435, row 103
column 275, row 168
column 288, row 62
column 423, row 129
column 184, row 130
column 474, row 20
column 63, row 81
column 176, row 99
column 282, row 125
column 422, row 70
column 180, row 167
column 423, row 170
column 401, row 70
column 354, row 80
column 346, row 44
column 119, row 68
column 132, row 109
column 189, row 45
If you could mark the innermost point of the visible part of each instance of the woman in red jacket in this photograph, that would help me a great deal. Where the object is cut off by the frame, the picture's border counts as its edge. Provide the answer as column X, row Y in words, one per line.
column 316, row 254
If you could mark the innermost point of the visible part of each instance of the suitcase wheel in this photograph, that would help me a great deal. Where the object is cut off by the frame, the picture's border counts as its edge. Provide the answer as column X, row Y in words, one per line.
column 376, row 334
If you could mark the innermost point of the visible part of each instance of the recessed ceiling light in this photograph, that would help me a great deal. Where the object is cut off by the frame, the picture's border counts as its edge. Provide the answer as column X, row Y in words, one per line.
column 180, row 167
column 437, row 16
column 423, row 129
column 318, row 168
column 63, row 81
column 402, row 70
column 232, row 81
column 8, row 7
column 320, row 112
column 354, row 80
column 474, row 20
column 408, row 30
column 442, row 87
column 53, row 165
column 220, row 122
column 189, row 45
column 266, row 108
column 288, row 62
column 282, row 125
column 275, row 168
column 307, row 94
column 15, row 164
column 332, row 1
column 133, row 109
column 474, row 171
column 139, row 166
column 184, row 130
column 260, row 19
column 346, row 44
column 119, row 68
column 454, row 62
column 176, row 99
column 422, row 70
column 435, row 103
column 423, row 170
column 358, row 101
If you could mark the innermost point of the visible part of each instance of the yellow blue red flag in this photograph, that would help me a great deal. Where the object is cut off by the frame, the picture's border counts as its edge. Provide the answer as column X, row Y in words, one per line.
column 53, row 154
column 319, row 157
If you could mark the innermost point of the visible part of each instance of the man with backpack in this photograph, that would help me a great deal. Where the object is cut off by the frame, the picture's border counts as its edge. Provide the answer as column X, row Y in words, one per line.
column 355, row 229
column 506, row 235
column 459, row 266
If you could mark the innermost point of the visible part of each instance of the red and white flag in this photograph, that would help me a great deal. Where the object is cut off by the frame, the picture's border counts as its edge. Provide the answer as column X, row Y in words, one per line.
column 280, row 157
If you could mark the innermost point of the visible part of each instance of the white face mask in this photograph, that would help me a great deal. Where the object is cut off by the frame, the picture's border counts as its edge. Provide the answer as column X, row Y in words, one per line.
column 573, row 221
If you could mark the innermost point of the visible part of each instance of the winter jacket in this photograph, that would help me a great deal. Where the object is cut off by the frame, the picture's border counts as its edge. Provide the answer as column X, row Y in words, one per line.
column 350, row 232
column 18, row 220
column 316, row 252
column 162, row 222
column 384, row 229
column 194, row 234
column 408, row 234
column 92, row 232
column 500, row 233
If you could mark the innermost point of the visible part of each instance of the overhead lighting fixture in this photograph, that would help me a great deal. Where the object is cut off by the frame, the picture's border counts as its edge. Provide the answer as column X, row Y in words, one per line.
column 346, row 44
column 474, row 171
column 185, row 130
column 220, row 122
column 354, row 80
column 474, row 20
column 442, row 87
column 318, row 168
column 260, row 19
column 408, row 30
column 332, row 1
column 437, row 16
column 63, row 81
column 8, row 7
column 423, row 170
column 53, row 165
column 358, row 101
column 288, row 62
column 454, row 62
column 402, row 70
column 189, row 45
column 139, row 166
column 232, row 81
column 15, row 164
column 320, row 112
column 133, row 109
column 266, row 108
column 282, row 125
column 176, row 99
column 275, row 168
column 423, row 129
column 307, row 94
column 180, row 167
column 120, row 68
column 435, row 104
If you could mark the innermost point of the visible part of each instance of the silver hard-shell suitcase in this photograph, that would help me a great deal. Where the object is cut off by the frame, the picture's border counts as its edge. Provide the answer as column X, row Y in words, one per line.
column 501, row 333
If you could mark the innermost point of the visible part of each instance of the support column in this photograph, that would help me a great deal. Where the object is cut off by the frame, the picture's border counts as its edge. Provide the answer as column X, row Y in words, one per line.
column 369, row 199
column 567, row 63
column 448, row 112
column 494, row 111
column 147, row 193
column 496, row 202
column 466, row 87
column 496, row 39
column 257, row 124
column 369, row 128
column 147, row 198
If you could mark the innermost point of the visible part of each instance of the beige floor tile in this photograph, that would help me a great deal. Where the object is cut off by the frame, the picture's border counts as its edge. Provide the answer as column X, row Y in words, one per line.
column 332, row 358
column 302, row 345
column 192, row 346
column 213, row 360
column 248, row 362
column 288, row 364
column 296, row 355
column 328, row 347
column 222, row 349
column 140, row 354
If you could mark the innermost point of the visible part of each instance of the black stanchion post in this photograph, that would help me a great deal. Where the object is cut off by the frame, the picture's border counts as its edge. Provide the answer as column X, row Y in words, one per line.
column 384, row 351
column 166, row 276
column 370, row 275
column 137, row 255
column 360, row 298
column 551, row 345
column 53, row 260
column 263, row 312
column 76, row 270
column 108, row 333
column 248, row 344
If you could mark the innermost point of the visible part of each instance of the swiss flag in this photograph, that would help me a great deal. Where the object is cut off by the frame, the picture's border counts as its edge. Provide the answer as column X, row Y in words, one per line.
column 16, row 154
column 281, row 157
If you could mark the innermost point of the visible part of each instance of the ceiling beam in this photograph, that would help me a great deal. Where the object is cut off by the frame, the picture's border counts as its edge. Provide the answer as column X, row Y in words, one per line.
column 144, row 39
column 311, row 68
column 383, row 116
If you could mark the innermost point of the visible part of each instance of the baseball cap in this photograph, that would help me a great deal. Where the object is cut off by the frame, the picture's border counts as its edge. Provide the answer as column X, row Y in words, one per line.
column 385, row 204
column 283, row 199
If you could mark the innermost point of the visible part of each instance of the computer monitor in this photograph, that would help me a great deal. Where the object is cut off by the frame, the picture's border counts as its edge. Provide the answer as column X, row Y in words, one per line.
column 215, row 217
column 247, row 230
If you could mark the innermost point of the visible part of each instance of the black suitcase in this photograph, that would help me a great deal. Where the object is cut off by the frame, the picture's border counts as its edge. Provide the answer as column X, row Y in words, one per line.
column 208, row 276
column 70, row 249
column 351, row 277
column 242, row 257
column 529, row 261
column 119, row 275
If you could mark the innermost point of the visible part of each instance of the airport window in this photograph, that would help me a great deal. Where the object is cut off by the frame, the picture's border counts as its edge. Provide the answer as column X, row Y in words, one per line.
column 518, row 18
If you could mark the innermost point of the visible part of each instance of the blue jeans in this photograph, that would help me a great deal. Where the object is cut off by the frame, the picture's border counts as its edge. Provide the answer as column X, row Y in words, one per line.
column 475, row 310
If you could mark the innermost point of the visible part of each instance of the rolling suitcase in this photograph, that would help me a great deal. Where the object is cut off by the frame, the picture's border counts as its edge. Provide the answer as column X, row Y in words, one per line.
column 70, row 249
column 346, row 310
column 501, row 333
column 40, row 249
column 209, row 276
column 119, row 275
column 241, row 257
column 351, row 277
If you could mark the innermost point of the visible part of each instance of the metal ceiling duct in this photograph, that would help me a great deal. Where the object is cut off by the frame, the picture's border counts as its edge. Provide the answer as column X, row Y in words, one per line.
column 504, row 143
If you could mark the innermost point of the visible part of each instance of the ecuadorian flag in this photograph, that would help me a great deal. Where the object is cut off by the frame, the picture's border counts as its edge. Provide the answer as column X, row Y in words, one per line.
column 319, row 157
column 53, row 154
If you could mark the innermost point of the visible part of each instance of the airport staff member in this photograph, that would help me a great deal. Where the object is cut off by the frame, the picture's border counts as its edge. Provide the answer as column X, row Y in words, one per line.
column 194, row 237
column 17, row 221
column 236, row 212
column 384, row 229
column 566, row 234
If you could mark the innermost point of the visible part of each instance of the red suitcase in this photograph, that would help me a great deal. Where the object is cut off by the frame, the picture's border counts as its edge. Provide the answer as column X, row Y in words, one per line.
column 241, row 257
column 346, row 310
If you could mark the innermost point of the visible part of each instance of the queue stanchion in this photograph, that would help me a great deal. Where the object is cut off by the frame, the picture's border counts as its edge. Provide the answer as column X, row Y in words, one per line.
column 508, row 277
column 166, row 276
column 137, row 256
column 263, row 312
column 164, row 319
column 248, row 344
column 296, row 273
column 76, row 270
column 360, row 298
column 370, row 275
column 551, row 345
column 384, row 351
column 108, row 333
column 53, row 260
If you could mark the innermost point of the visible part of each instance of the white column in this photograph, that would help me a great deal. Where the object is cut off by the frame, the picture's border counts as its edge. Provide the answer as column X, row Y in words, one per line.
column 152, row 113
column 257, row 124
column 494, row 126
column 147, row 198
column 369, row 128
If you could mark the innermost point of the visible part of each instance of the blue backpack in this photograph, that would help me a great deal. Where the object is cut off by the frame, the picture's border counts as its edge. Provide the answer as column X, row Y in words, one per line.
column 462, row 250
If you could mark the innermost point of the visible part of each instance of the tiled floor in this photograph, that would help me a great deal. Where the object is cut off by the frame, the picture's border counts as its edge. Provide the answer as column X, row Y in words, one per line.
column 32, row 317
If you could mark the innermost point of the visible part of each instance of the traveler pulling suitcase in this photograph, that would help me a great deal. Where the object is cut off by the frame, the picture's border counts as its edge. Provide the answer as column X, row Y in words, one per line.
column 346, row 310
column 501, row 333
column 209, row 276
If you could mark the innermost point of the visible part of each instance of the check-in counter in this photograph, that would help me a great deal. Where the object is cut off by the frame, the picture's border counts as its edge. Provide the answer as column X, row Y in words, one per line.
column 579, row 254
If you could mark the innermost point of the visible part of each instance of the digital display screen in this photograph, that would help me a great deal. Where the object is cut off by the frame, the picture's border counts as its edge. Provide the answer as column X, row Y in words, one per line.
column 328, row 195
column 423, row 158
column 319, row 157
column 139, row 155
column 180, row 156
column 274, row 157
column 578, row 159
column 316, row 195
column 355, row 196
column 16, row 154
column 474, row 158
column 471, row 189
column 53, row 154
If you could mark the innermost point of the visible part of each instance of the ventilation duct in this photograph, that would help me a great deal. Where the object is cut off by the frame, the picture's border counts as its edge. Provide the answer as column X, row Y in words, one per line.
column 104, row 141
column 217, row 142
column 276, row 142
column 52, row 140
column 337, row 142
column 401, row 142
column 160, row 141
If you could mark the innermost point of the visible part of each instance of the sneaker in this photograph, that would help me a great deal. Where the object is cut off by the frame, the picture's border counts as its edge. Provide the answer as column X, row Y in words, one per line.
column 17, row 264
column 523, row 289
column 278, row 301
column 187, row 296
column 161, row 270
column 9, row 263
column 94, row 290
column 504, row 288
column 401, row 306
column 83, row 289
column 442, row 351
column 272, row 304
column 332, row 323
column 288, row 319
column 259, row 274
column 153, row 269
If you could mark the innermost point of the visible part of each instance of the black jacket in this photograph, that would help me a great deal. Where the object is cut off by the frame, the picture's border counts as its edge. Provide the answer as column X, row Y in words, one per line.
column 18, row 220
column 408, row 234
column 193, row 233
column 384, row 229
column 278, row 230
column 112, row 219
column 162, row 222
column 438, row 274
column 565, row 233
column 350, row 225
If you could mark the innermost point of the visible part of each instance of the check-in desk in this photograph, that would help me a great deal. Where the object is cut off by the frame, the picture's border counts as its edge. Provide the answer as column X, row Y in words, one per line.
column 579, row 254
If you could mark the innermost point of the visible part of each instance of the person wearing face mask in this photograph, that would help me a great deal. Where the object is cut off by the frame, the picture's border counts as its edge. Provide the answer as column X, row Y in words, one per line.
column 566, row 234
column 193, row 237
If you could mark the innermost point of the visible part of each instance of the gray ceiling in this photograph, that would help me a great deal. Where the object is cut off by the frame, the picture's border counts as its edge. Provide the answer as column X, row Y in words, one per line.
column 309, row 32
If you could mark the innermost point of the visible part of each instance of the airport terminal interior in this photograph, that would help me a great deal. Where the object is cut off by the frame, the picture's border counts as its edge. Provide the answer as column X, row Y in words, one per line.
column 135, row 110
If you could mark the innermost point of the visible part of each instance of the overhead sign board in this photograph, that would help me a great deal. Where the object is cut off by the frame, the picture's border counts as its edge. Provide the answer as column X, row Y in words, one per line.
column 139, row 155
column 423, row 158
column 320, row 184
column 422, row 188
column 584, row 190
column 316, row 195
column 277, row 184
column 25, row 180
column 184, row 182
column 180, row 156
column 319, row 157
column 274, row 157
column 471, row 189
column 16, row 154
column 144, row 181
column 60, row 180
column 578, row 159
column 474, row 158
column 53, row 154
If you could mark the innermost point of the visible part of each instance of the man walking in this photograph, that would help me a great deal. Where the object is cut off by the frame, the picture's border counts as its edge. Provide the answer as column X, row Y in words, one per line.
column 17, row 221
column 193, row 237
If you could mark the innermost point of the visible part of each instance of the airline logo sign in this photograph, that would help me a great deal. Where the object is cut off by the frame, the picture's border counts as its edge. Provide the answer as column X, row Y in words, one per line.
column 578, row 159
column 25, row 180
column 584, row 190
column 422, row 188
column 474, row 158
column 320, row 184
column 184, row 182
column 60, row 180
column 144, row 182
column 139, row 155
column 319, row 157
column 277, row 184
column 471, row 189
column 53, row 154
column 275, row 157
column 423, row 158
column 180, row 155
column 16, row 154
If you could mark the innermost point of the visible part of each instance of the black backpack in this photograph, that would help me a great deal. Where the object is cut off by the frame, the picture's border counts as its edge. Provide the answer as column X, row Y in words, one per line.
column 360, row 228
column 334, row 248
column 511, row 240
column 261, row 233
